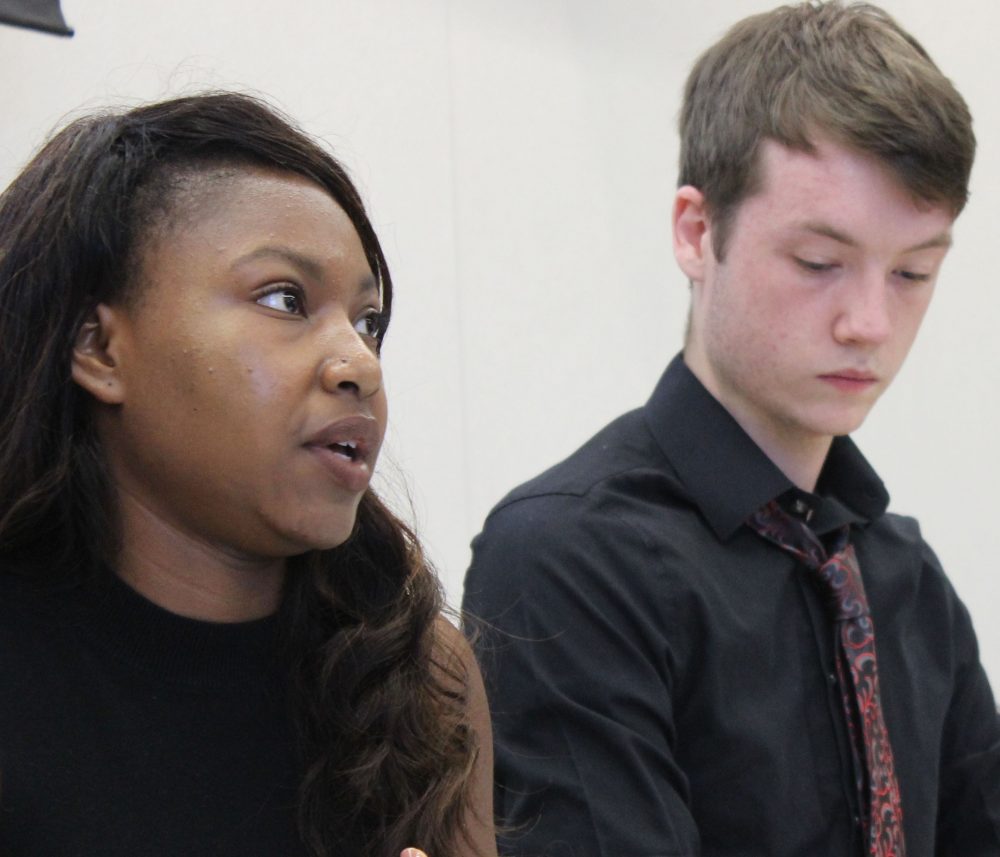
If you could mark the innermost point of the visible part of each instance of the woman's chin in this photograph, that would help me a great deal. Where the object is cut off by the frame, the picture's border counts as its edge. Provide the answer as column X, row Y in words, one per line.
column 320, row 535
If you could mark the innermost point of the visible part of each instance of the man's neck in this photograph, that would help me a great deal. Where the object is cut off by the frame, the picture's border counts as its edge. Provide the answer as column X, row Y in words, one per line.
column 800, row 455
column 802, row 462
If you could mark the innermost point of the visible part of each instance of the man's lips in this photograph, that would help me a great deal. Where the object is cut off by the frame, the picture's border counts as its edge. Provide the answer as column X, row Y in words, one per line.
column 850, row 380
column 347, row 448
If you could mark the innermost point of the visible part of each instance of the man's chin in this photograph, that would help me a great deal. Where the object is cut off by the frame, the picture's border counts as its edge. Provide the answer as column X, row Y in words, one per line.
column 842, row 423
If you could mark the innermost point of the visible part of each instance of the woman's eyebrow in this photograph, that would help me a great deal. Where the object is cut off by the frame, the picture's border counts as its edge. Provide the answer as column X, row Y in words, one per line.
column 309, row 265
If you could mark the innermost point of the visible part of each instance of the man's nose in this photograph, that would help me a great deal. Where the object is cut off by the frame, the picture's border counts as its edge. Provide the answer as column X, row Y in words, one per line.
column 865, row 316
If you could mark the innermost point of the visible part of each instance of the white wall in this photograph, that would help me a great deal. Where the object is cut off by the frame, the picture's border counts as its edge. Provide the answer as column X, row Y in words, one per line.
column 519, row 158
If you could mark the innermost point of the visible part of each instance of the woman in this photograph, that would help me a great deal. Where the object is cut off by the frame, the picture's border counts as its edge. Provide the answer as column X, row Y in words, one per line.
column 214, row 638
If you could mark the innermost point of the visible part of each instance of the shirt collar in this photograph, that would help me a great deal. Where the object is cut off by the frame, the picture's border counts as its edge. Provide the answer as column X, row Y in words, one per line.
column 728, row 476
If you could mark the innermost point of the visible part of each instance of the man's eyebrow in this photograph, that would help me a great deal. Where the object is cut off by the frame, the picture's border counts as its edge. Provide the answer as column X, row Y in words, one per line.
column 827, row 231
column 942, row 239
column 310, row 266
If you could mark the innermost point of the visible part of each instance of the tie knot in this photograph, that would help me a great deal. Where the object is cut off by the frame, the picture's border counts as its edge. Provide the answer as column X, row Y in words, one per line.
column 838, row 573
column 790, row 534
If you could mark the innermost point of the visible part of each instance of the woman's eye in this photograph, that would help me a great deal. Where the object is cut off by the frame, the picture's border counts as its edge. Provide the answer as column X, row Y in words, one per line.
column 284, row 299
column 369, row 324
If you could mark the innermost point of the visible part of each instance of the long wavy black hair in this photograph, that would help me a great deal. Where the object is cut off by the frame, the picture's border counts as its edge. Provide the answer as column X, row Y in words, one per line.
column 380, row 707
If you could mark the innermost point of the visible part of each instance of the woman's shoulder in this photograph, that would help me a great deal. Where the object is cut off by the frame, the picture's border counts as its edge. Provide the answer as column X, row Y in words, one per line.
column 32, row 605
column 450, row 643
column 457, row 662
column 19, row 592
column 456, row 666
column 34, row 640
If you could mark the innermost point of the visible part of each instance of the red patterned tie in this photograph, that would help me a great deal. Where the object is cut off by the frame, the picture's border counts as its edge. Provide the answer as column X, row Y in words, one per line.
column 847, row 604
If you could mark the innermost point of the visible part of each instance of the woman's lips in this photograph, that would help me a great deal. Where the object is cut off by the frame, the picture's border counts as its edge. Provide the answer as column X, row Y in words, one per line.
column 347, row 448
column 354, row 474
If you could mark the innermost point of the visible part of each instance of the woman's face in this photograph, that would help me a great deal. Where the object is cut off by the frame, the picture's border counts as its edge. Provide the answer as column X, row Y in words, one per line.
column 247, row 407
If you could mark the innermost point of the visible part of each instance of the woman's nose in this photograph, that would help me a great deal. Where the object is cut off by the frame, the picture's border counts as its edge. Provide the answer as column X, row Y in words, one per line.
column 352, row 367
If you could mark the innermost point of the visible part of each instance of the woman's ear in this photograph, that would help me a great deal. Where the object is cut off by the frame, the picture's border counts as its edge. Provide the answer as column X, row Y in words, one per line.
column 692, row 232
column 95, row 367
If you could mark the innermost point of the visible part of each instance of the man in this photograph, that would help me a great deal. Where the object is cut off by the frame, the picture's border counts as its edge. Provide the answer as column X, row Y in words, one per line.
column 677, row 639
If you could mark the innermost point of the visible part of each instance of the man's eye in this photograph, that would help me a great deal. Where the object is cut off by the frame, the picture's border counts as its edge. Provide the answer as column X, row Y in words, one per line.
column 284, row 299
column 814, row 267
column 913, row 276
column 369, row 324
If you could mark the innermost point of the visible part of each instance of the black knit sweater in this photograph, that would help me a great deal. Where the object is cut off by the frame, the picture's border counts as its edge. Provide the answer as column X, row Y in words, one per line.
column 128, row 731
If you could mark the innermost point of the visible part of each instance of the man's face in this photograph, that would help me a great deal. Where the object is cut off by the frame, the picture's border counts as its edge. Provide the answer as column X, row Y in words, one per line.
column 827, row 273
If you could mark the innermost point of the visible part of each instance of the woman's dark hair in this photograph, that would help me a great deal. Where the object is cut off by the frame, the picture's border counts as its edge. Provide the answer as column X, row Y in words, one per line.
column 379, row 701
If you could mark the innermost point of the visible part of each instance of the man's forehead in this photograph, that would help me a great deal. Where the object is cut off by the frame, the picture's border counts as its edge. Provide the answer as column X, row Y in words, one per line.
column 837, row 191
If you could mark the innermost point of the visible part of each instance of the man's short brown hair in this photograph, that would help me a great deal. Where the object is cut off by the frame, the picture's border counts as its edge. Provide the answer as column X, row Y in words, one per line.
column 846, row 72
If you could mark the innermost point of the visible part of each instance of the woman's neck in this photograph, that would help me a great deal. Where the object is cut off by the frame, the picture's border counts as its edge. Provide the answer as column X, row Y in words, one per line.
column 190, row 577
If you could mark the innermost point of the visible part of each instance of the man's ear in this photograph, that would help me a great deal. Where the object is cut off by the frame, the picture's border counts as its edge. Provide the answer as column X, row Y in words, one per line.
column 692, row 232
column 95, row 366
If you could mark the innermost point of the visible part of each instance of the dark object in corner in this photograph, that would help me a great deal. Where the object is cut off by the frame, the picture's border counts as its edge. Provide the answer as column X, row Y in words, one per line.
column 44, row 15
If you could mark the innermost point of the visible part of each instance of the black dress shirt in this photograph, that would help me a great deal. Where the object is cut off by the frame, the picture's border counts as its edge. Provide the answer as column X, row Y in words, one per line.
column 662, row 679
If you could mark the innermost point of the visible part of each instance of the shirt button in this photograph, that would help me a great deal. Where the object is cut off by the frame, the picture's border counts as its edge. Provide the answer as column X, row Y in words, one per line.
column 857, row 821
column 832, row 678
